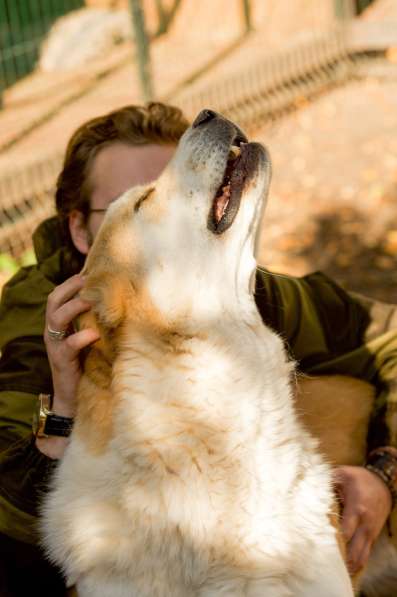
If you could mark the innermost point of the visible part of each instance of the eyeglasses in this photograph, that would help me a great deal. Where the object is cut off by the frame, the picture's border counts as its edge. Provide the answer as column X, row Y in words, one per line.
column 98, row 211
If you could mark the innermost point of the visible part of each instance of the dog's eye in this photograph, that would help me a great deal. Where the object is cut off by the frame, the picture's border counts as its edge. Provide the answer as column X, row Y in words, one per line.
column 142, row 199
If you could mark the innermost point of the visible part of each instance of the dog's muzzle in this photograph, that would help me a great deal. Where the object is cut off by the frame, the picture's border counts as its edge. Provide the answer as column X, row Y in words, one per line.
column 241, row 168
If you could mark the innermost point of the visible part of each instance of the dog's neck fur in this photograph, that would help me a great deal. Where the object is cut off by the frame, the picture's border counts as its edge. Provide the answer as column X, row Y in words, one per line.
column 204, row 386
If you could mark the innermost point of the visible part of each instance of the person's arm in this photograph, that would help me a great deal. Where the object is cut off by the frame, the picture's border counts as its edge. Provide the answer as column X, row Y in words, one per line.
column 26, row 463
column 63, row 306
column 24, row 373
column 328, row 331
column 24, row 470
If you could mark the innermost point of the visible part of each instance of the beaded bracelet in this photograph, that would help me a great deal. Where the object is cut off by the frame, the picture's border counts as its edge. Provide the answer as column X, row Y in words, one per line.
column 383, row 462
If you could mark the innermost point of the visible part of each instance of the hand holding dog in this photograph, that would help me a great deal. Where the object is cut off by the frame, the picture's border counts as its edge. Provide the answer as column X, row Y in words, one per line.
column 63, row 306
column 366, row 504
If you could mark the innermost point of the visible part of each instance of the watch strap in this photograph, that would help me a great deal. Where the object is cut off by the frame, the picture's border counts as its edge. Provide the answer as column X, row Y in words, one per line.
column 46, row 423
column 57, row 425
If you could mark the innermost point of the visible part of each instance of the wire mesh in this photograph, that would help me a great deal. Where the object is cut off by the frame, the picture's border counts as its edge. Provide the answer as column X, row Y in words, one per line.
column 26, row 198
column 23, row 26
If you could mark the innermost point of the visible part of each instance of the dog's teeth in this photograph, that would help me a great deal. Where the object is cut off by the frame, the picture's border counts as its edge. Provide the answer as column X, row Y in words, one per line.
column 234, row 151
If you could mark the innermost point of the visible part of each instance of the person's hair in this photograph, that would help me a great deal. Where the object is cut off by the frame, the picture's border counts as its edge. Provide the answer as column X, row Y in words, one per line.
column 134, row 125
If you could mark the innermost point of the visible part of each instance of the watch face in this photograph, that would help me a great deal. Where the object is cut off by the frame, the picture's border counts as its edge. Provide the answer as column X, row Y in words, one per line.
column 40, row 414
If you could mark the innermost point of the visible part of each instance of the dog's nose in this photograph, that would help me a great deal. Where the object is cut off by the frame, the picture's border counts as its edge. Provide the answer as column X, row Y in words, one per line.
column 204, row 116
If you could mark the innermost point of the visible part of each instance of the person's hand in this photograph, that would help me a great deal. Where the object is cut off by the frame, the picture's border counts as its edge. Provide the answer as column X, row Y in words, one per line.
column 63, row 306
column 366, row 503
column 63, row 351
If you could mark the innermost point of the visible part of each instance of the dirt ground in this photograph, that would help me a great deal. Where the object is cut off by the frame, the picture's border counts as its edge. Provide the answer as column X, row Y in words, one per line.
column 333, row 199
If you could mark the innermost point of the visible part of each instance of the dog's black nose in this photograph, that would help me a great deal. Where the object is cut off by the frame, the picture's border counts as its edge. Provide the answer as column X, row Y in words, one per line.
column 204, row 116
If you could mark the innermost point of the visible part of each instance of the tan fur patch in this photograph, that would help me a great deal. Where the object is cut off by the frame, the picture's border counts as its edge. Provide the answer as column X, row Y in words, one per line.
column 116, row 305
column 321, row 404
column 94, row 423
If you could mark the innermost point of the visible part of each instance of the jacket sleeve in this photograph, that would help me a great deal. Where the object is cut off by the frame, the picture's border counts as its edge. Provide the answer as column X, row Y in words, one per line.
column 24, row 373
column 24, row 470
column 328, row 330
column 24, row 477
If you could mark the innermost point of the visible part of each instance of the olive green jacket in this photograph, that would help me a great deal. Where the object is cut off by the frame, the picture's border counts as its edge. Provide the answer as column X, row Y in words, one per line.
column 325, row 329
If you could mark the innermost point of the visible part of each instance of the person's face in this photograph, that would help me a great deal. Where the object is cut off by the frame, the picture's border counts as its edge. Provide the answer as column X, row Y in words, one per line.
column 115, row 169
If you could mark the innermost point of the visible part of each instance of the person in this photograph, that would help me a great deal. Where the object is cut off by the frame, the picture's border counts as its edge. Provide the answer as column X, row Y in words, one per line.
column 326, row 329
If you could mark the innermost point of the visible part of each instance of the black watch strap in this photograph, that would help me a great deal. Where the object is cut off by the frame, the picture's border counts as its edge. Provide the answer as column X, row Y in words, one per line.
column 57, row 425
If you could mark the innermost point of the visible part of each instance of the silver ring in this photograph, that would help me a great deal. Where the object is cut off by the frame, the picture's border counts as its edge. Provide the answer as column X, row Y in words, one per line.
column 56, row 334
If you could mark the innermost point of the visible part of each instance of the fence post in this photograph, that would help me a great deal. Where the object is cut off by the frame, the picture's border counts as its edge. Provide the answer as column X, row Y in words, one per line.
column 247, row 15
column 162, row 17
column 142, row 49
column 165, row 16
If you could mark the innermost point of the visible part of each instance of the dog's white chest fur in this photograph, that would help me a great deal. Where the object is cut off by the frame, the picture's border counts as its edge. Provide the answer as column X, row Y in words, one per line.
column 209, row 483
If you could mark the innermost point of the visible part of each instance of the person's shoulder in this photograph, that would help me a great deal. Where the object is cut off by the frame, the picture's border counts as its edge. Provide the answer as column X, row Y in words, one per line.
column 286, row 286
column 279, row 286
column 284, row 300
column 28, row 286
column 274, row 294
column 23, row 305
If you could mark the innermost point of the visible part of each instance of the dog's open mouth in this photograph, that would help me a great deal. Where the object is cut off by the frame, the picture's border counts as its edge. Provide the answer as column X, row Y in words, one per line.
column 240, row 167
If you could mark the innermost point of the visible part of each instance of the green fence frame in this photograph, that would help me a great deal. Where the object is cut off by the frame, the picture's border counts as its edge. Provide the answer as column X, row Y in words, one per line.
column 23, row 25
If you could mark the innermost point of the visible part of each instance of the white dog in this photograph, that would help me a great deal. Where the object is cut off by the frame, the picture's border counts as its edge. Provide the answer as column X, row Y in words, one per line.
column 188, row 473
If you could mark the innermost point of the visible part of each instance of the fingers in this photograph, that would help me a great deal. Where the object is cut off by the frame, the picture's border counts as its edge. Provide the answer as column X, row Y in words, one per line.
column 65, row 291
column 64, row 315
column 357, row 538
column 366, row 506
column 82, row 339
column 64, row 306
column 358, row 550
column 350, row 521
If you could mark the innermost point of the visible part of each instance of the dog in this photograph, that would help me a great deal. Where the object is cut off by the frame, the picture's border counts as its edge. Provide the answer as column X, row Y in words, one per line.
column 189, row 473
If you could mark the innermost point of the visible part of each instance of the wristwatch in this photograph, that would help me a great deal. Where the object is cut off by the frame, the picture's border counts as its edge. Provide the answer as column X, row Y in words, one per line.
column 46, row 423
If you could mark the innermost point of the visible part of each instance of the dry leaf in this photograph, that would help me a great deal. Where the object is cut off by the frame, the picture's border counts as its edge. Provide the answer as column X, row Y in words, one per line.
column 390, row 242
column 391, row 54
column 385, row 262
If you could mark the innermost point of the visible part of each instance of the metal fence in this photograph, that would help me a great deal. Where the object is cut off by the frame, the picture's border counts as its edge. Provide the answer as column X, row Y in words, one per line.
column 23, row 26
column 25, row 23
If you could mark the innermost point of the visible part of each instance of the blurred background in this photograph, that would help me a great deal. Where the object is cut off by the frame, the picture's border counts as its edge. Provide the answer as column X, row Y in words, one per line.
column 314, row 80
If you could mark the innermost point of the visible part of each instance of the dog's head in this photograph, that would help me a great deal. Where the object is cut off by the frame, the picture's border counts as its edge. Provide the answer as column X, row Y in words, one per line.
column 185, row 243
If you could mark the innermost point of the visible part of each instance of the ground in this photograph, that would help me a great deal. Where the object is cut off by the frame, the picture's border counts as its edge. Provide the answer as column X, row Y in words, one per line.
column 333, row 199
